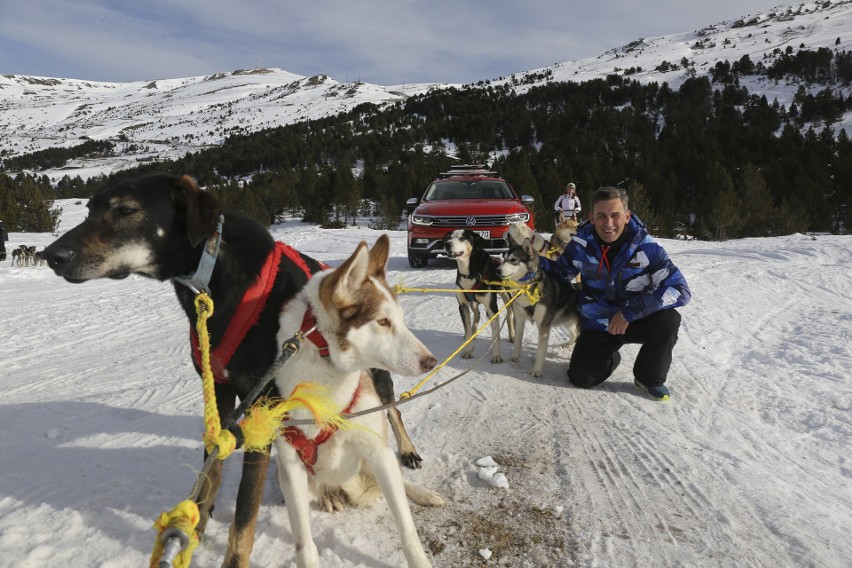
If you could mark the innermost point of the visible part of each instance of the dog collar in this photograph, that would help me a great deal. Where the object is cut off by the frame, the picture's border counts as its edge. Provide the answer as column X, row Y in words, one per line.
column 309, row 330
column 199, row 280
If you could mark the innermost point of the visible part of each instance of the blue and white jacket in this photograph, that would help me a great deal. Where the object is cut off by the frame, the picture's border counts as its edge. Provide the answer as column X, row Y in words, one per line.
column 639, row 281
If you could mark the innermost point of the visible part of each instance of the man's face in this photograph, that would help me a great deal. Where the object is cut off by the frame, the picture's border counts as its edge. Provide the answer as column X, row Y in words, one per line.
column 610, row 218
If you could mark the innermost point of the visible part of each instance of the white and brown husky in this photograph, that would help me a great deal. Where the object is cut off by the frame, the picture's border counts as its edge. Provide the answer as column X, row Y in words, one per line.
column 358, row 325
column 557, row 304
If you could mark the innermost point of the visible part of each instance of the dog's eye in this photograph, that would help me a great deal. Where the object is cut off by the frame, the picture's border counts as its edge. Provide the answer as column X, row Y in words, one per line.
column 124, row 210
column 384, row 322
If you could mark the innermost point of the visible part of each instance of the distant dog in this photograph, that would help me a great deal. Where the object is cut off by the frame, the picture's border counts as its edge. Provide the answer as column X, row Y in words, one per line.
column 23, row 255
column 557, row 305
column 565, row 230
column 359, row 325
column 162, row 226
column 475, row 269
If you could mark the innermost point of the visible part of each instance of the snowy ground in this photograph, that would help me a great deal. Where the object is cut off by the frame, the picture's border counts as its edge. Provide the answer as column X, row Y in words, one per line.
column 749, row 464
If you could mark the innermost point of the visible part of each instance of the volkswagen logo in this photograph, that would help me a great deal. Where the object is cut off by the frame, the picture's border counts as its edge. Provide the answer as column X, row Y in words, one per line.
column 470, row 221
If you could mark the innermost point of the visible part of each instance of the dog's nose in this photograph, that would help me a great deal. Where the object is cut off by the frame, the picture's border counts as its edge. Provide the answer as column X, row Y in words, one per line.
column 57, row 257
column 428, row 363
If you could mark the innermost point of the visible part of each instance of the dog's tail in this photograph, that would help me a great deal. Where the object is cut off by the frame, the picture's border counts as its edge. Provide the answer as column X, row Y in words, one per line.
column 362, row 490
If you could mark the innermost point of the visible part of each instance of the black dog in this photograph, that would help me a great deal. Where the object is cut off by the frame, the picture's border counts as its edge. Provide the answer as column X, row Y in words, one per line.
column 476, row 268
column 160, row 225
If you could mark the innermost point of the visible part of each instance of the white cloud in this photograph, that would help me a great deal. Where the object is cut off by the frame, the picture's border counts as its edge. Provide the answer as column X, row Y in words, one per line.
column 380, row 41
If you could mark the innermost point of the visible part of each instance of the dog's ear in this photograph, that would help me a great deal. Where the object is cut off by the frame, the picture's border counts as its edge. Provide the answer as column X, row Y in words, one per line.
column 379, row 257
column 348, row 277
column 202, row 210
column 527, row 246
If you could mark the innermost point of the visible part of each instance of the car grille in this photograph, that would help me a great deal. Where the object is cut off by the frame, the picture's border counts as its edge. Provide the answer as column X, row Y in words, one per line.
column 462, row 221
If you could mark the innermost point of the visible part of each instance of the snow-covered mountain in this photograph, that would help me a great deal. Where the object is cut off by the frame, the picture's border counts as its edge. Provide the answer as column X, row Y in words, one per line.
column 168, row 118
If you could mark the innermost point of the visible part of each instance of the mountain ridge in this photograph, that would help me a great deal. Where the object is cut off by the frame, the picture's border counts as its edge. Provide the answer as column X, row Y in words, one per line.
column 167, row 118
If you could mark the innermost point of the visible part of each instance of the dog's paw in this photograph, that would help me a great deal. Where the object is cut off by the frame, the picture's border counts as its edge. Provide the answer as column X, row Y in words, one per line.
column 466, row 354
column 516, row 358
column 411, row 460
column 333, row 500
column 434, row 500
column 497, row 359
column 535, row 372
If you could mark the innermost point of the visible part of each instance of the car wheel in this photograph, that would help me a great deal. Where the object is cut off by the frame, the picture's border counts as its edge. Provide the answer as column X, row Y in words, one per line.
column 417, row 261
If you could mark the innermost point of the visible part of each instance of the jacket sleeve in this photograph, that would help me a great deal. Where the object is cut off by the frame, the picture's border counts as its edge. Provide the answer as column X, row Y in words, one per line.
column 669, row 288
column 562, row 267
column 556, row 204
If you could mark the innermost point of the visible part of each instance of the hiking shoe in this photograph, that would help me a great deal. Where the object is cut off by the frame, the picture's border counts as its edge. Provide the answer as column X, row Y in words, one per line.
column 660, row 392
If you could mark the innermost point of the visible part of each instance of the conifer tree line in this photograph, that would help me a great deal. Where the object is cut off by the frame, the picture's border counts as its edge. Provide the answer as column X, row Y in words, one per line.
column 709, row 158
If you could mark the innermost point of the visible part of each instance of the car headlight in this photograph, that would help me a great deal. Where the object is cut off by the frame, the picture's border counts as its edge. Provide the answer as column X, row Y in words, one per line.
column 422, row 219
column 518, row 217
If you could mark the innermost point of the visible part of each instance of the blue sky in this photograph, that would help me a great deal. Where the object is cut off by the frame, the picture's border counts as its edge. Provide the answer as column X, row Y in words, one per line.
column 378, row 41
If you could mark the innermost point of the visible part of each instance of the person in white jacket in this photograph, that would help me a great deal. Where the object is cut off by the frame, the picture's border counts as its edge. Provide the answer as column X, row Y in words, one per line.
column 567, row 206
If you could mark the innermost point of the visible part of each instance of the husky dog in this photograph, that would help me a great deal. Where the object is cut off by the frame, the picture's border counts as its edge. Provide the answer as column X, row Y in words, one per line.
column 557, row 306
column 565, row 230
column 475, row 269
column 359, row 325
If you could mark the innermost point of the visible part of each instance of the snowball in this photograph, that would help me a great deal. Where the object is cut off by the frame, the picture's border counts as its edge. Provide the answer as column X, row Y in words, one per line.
column 486, row 473
column 487, row 461
column 499, row 480
column 52, row 433
column 485, row 553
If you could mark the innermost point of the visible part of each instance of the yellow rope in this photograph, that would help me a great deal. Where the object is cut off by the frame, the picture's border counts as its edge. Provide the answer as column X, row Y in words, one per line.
column 214, row 436
column 419, row 385
column 263, row 422
column 183, row 517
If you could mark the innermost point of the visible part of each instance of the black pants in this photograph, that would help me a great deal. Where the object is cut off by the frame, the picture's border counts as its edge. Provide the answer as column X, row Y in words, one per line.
column 596, row 356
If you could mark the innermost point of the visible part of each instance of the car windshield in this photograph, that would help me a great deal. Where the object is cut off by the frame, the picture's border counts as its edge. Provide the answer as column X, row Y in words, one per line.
column 468, row 189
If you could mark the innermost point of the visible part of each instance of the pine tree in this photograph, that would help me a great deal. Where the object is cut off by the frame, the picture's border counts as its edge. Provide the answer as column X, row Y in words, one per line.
column 726, row 218
column 758, row 206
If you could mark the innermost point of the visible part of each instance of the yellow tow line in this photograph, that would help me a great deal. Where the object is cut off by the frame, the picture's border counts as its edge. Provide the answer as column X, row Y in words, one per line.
column 534, row 296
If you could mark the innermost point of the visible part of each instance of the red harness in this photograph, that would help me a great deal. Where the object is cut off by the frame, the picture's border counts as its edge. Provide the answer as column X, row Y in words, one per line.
column 315, row 337
column 245, row 317
column 307, row 448
column 247, row 312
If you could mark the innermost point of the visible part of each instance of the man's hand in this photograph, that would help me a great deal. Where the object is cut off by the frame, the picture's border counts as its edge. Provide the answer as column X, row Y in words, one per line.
column 617, row 324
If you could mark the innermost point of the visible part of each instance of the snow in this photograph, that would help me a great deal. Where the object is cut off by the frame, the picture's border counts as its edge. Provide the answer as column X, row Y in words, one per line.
column 749, row 464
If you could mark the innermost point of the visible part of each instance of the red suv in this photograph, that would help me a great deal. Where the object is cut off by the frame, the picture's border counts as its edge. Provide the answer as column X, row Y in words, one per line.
column 466, row 197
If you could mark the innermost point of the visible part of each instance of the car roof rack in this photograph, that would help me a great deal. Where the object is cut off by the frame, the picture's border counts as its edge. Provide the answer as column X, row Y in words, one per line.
column 468, row 170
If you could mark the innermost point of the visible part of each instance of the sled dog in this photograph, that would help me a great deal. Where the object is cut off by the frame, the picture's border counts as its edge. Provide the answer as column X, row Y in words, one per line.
column 557, row 304
column 565, row 230
column 359, row 325
column 475, row 269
